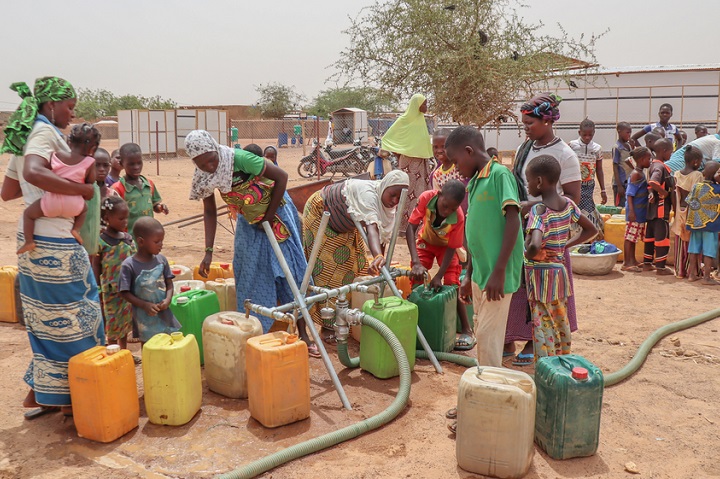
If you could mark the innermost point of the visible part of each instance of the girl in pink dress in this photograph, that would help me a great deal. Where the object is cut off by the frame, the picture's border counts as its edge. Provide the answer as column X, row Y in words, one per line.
column 77, row 166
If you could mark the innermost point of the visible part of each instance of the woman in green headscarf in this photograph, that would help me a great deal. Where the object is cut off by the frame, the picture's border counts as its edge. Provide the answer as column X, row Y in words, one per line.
column 57, row 286
column 408, row 138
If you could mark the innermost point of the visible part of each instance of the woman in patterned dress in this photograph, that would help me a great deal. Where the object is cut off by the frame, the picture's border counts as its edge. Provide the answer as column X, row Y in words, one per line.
column 255, row 188
column 342, row 254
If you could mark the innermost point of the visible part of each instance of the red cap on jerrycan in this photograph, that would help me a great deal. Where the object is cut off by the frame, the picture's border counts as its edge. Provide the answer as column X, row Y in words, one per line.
column 176, row 271
column 225, row 266
column 581, row 374
column 184, row 288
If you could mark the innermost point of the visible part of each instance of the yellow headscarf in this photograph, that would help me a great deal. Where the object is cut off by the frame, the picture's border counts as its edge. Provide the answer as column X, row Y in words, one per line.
column 409, row 134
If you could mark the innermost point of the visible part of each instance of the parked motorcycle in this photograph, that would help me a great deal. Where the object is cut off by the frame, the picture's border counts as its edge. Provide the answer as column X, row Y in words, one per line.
column 352, row 162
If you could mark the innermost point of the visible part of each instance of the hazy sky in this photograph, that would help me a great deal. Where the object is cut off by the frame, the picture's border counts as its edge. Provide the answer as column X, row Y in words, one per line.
column 216, row 51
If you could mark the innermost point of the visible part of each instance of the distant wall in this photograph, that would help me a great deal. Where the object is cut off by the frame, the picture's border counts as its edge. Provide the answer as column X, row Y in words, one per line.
column 235, row 112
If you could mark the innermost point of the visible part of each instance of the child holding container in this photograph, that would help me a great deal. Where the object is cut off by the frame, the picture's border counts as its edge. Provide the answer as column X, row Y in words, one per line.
column 442, row 231
column 494, row 240
column 547, row 240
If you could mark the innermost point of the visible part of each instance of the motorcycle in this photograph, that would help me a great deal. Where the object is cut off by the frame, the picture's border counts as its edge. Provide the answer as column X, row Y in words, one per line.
column 351, row 162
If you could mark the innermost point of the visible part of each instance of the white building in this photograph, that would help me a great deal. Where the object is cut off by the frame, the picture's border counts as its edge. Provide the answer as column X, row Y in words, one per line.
column 631, row 94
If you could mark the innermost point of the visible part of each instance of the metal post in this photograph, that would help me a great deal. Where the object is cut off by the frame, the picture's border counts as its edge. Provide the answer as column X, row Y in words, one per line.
column 313, row 254
column 386, row 274
column 306, row 314
column 395, row 231
column 157, row 147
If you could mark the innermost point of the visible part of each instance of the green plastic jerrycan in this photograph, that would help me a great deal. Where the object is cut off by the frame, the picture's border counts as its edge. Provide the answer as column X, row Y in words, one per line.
column 437, row 313
column 191, row 308
column 468, row 308
column 569, row 400
column 401, row 316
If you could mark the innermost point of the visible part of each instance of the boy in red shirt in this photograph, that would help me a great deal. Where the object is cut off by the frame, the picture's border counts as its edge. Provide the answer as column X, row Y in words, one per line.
column 442, row 232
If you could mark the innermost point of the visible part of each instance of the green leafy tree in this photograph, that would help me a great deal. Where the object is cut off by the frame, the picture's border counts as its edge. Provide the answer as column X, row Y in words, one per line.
column 366, row 98
column 277, row 100
column 94, row 104
column 472, row 58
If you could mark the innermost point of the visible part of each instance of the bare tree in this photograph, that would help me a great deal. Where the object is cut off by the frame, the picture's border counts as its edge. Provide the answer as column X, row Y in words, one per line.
column 471, row 58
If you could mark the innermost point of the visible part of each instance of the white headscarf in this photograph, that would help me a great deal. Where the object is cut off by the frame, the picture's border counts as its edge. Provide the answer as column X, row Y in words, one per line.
column 198, row 142
column 364, row 201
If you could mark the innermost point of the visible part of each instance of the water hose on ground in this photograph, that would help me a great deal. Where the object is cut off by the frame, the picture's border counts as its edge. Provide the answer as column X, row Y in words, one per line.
column 350, row 432
column 637, row 361
column 349, row 362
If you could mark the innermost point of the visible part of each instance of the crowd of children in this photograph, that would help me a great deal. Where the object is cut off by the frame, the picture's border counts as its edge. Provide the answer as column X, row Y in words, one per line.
column 134, row 280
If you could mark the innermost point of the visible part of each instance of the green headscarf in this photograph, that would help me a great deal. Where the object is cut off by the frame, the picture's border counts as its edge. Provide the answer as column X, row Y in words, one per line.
column 409, row 134
column 21, row 122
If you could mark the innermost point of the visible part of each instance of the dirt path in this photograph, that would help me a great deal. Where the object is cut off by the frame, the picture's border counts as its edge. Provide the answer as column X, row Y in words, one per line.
column 664, row 419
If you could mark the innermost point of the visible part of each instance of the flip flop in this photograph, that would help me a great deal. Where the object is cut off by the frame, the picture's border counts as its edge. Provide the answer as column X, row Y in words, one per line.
column 631, row 269
column 451, row 413
column 523, row 359
column 465, row 342
column 314, row 351
column 40, row 411
column 453, row 427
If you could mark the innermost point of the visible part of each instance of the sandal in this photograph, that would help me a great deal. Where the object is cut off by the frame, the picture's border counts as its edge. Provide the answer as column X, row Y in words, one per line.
column 453, row 427
column 314, row 351
column 451, row 413
column 465, row 342
column 40, row 411
column 631, row 269
column 523, row 359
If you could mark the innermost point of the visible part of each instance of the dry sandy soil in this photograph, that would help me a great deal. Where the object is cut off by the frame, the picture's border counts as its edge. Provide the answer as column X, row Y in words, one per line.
column 664, row 419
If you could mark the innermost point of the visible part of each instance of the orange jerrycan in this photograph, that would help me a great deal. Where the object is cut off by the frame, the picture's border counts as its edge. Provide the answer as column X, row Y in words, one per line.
column 217, row 270
column 278, row 375
column 104, row 393
column 10, row 305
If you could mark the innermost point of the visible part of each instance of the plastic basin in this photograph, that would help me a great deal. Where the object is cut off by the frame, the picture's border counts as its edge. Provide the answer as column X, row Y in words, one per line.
column 593, row 264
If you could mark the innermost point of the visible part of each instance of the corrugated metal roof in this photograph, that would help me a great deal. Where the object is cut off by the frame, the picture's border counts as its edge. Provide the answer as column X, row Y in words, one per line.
column 343, row 110
column 658, row 68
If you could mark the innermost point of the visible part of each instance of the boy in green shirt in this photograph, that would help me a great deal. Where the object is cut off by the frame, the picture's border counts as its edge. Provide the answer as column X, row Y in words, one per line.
column 494, row 240
column 140, row 193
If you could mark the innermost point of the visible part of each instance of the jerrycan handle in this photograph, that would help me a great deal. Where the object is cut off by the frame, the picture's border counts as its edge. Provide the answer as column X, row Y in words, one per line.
column 479, row 376
column 565, row 363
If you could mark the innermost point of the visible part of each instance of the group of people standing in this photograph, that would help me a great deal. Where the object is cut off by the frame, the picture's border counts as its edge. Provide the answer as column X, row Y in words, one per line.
column 470, row 211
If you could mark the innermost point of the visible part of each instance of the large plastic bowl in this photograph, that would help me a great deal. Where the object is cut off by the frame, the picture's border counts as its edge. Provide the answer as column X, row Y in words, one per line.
column 593, row 264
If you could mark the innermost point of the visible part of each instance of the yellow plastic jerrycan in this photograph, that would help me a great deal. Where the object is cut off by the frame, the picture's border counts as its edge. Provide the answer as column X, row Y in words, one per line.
column 278, row 375
column 225, row 337
column 226, row 293
column 104, row 393
column 10, row 305
column 171, row 377
column 217, row 270
column 495, row 422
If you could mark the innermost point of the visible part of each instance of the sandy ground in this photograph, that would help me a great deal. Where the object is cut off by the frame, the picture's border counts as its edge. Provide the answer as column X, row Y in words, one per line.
column 664, row 419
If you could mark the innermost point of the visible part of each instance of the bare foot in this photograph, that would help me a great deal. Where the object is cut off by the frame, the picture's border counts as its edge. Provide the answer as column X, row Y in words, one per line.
column 664, row 272
column 28, row 246
column 76, row 235
column 648, row 267
column 29, row 400
column 631, row 268
column 693, row 277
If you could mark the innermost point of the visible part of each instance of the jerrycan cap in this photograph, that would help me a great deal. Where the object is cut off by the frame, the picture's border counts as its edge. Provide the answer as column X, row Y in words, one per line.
column 176, row 336
column 182, row 300
column 291, row 338
column 176, row 271
column 112, row 349
column 225, row 266
column 226, row 319
column 581, row 374
column 184, row 288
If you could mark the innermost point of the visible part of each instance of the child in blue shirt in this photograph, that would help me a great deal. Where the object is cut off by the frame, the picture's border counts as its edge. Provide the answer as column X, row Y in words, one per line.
column 636, row 211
